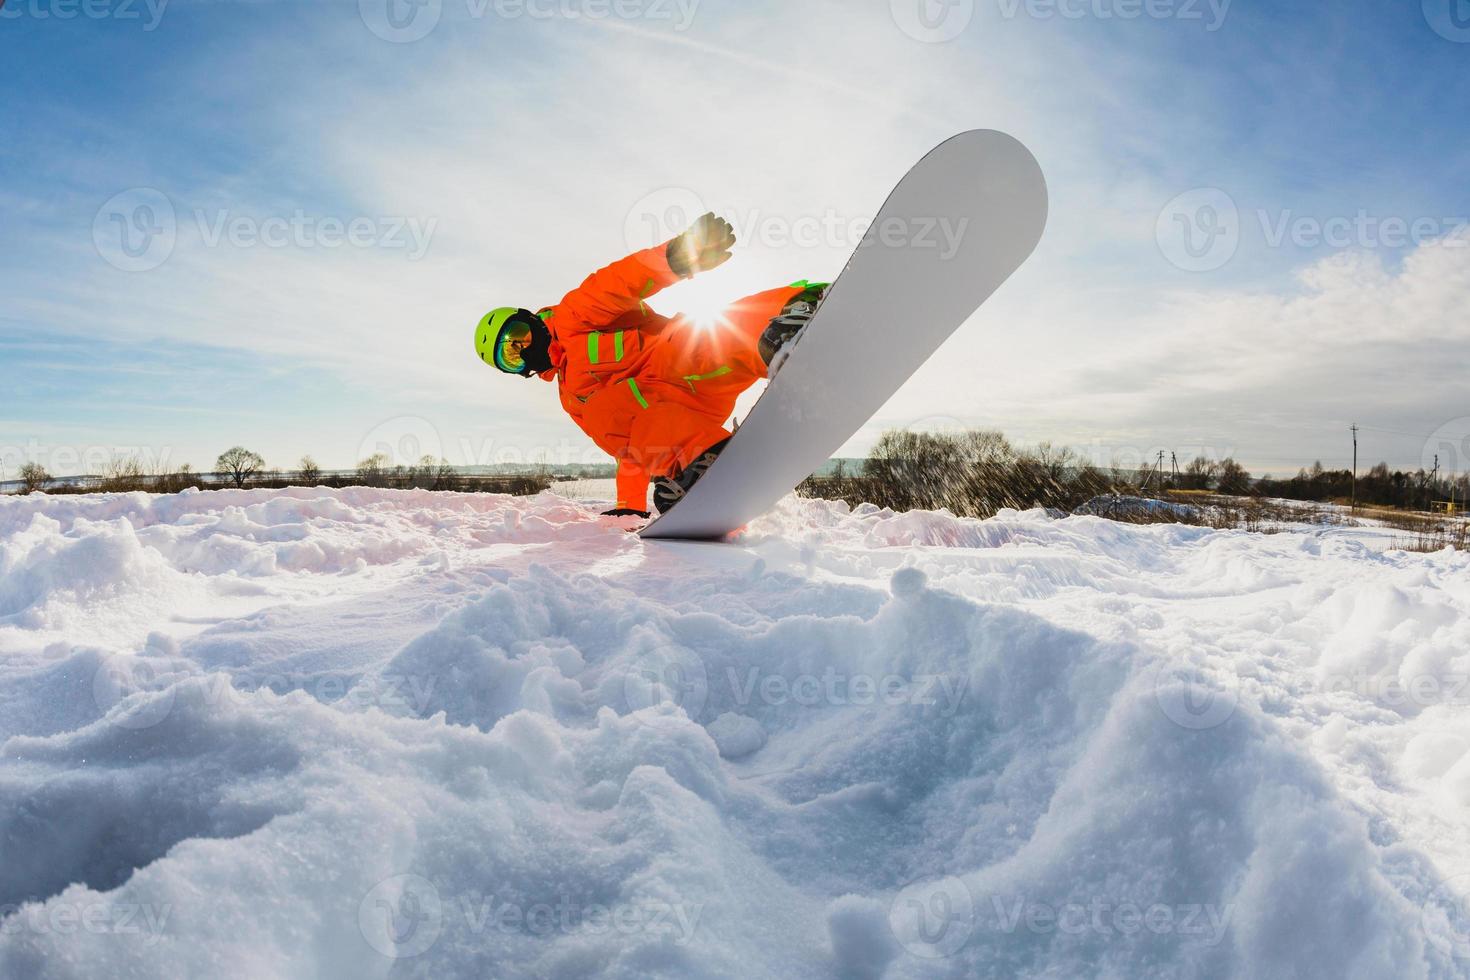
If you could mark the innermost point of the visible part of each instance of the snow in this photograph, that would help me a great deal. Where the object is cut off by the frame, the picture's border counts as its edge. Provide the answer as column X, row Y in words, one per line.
column 369, row 733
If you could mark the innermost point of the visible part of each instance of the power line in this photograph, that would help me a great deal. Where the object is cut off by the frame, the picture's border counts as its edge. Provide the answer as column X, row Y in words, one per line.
column 1356, row 429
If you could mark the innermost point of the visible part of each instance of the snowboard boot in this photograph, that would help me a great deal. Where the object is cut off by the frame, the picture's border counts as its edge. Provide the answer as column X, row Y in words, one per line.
column 668, row 491
column 776, row 341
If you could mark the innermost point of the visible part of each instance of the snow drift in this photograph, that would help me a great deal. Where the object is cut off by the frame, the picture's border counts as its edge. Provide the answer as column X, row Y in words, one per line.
column 367, row 733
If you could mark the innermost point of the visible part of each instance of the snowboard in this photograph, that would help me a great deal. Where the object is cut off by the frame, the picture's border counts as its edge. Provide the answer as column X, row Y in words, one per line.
column 958, row 224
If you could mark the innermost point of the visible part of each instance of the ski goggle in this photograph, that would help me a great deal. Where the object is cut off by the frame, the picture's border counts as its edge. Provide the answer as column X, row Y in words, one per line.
column 503, row 337
column 510, row 346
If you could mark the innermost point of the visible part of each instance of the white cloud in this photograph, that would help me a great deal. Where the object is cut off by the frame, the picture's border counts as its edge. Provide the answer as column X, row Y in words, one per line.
column 1273, row 377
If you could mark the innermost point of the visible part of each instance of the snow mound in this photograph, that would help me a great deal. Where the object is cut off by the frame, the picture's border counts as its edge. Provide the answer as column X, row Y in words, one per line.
column 369, row 733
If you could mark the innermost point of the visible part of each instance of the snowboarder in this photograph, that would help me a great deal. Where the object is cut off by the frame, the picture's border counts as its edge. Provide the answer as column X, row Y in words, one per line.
column 653, row 392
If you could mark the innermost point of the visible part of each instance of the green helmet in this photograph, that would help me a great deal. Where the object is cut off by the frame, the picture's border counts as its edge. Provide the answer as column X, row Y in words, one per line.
column 512, row 340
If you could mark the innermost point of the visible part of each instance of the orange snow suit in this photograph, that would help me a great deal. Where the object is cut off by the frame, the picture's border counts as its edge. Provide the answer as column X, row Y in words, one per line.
column 653, row 392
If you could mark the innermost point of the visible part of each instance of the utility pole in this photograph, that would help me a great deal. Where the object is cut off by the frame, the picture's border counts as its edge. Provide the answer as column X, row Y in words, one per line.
column 1160, row 471
column 1355, row 466
column 1174, row 468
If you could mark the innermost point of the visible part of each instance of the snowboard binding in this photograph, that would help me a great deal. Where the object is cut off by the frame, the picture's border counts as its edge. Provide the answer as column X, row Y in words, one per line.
column 669, row 490
column 781, row 333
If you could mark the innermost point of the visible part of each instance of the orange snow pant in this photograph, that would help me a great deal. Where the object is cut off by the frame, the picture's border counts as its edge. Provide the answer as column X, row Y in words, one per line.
column 688, row 390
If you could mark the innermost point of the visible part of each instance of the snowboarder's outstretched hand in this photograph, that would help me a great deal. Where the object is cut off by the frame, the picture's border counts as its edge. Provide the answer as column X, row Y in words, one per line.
column 705, row 246
column 625, row 512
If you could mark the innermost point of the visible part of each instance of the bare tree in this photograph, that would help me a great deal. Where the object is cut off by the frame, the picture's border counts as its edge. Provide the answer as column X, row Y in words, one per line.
column 371, row 472
column 1200, row 474
column 310, row 473
column 239, row 463
column 33, row 477
column 176, row 481
column 445, row 476
column 124, row 475
column 1234, row 480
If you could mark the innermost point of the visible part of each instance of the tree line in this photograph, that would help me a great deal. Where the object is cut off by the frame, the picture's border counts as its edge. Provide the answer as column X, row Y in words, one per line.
column 977, row 473
column 242, row 468
column 1380, row 486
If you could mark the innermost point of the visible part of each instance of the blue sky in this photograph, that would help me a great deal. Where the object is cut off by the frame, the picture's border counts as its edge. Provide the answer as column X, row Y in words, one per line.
column 514, row 147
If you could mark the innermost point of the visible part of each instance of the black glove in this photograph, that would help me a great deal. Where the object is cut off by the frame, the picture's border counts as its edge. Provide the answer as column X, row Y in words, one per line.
column 705, row 246
column 625, row 512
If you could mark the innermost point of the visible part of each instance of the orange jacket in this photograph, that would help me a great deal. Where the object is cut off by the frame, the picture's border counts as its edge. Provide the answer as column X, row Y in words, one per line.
column 651, row 391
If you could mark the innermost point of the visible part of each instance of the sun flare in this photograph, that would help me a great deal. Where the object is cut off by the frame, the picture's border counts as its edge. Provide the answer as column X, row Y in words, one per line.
column 703, row 301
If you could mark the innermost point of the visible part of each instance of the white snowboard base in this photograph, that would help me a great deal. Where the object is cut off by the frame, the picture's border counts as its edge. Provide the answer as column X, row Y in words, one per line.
column 956, row 227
